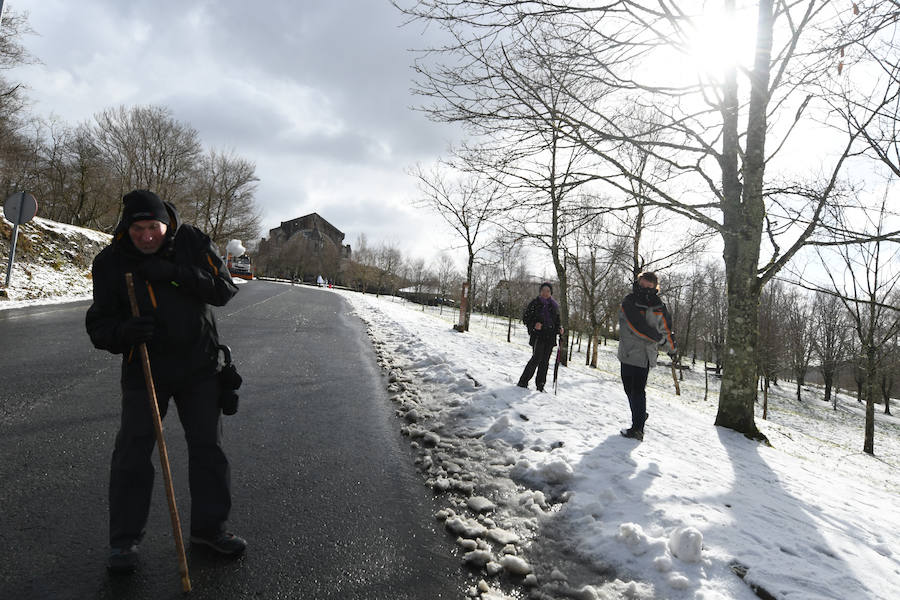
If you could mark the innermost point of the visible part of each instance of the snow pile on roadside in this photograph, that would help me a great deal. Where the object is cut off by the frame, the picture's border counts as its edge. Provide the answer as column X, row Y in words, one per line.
column 53, row 261
column 541, row 490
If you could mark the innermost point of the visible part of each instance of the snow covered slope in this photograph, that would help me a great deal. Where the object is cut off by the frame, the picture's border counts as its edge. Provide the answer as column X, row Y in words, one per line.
column 52, row 262
column 693, row 512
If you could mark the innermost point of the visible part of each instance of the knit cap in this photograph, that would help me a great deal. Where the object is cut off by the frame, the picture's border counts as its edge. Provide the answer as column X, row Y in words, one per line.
column 143, row 205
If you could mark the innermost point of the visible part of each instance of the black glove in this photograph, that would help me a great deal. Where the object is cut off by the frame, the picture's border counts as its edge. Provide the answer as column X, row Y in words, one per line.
column 136, row 330
column 159, row 269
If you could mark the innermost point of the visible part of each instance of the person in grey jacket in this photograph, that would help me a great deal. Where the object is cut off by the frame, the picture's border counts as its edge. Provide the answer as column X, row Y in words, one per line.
column 644, row 327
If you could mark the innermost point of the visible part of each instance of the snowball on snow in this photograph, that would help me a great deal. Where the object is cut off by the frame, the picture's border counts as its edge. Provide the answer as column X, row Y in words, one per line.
column 679, row 581
column 632, row 535
column 663, row 564
column 686, row 544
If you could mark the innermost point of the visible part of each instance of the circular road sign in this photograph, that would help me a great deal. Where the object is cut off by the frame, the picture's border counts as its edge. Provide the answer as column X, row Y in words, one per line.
column 20, row 208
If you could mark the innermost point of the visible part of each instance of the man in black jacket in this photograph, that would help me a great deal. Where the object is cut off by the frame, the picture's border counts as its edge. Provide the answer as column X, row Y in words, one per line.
column 177, row 276
column 542, row 320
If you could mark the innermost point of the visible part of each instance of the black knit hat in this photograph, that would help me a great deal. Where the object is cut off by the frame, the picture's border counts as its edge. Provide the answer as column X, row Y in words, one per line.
column 143, row 205
column 546, row 284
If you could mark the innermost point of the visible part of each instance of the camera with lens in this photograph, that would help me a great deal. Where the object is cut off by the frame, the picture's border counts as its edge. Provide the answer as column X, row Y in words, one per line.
column 229, row 381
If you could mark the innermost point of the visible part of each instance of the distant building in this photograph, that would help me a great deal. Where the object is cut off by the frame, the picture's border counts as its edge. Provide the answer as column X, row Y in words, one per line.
column 313, row 228
column 304, row 248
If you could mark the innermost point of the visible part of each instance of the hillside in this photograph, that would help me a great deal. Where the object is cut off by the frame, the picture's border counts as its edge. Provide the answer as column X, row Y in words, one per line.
column 53, row 260
column 694, row 512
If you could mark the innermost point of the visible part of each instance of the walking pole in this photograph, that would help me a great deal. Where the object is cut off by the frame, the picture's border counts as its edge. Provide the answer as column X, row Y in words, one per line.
column 556, row 366
column 675, row 378
column 161, row 443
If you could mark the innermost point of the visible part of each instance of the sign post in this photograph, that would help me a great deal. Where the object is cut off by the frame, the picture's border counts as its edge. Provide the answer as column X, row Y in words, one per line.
column 18, row 210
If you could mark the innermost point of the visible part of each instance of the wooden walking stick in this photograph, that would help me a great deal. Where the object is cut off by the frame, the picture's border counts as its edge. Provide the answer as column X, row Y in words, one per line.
column 675, row 378
column 161, row 443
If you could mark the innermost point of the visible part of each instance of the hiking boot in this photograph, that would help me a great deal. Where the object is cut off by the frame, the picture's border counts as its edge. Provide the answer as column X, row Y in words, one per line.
column 522, row 385
column 122, row 560
column 224, row 543
column 632, row 433
column 540, row 388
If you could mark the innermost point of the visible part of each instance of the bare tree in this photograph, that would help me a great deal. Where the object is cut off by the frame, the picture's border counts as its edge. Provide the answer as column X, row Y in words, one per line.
column 419, row 276
column 522, row 141
column 12, row 54
column 222, row 201
column 506, row 254
column 772, row 356
column 684, row 297
column 714, row 316
column 467, row 205
column 719, row 131
column 389, row 261
column 889, row 363
column 447, row 278
column 147, row 148
column 829, row 338
column 595, row 257
column 799, row 334
column 871, row 280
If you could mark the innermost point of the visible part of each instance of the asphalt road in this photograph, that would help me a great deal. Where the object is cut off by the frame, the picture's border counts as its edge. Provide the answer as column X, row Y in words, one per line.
column 324, row 487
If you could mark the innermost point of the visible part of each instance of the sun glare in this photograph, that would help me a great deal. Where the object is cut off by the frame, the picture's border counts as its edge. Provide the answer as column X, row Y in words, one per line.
column 718, row 41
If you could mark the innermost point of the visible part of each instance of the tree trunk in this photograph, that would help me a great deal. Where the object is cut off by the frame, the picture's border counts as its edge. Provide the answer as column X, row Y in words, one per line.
column 469, row 268
column 887, row 384
column 743, row 211
column 869, row 443
column 509, row 314
column 738, row 391
column 705, row 381
column 828, row 377
column 587, row 355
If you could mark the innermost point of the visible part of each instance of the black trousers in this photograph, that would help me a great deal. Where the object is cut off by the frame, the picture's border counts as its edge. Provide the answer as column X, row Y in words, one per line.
column 634, row 379
column 540, row 361
column 132, row 473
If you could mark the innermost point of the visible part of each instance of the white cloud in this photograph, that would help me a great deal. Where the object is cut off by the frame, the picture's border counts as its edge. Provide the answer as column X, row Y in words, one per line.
column 316, row 94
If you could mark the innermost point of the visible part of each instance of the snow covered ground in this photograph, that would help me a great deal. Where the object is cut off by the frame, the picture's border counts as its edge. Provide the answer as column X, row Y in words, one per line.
column 678, row 516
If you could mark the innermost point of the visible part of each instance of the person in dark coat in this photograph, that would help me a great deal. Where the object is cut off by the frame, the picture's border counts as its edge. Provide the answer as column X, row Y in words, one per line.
column 177, row 275
column 645, row 327
column 541, row 317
